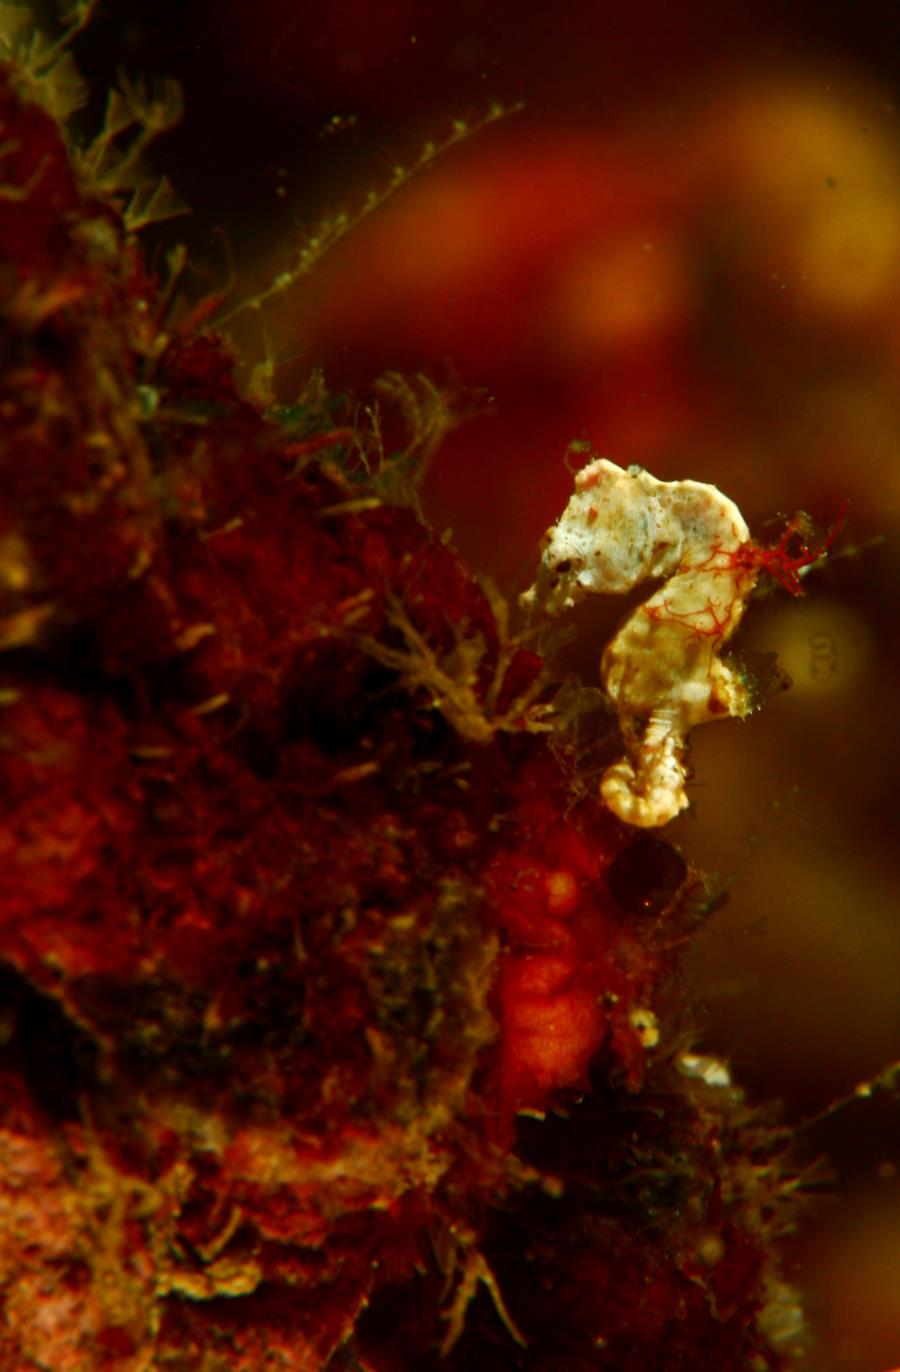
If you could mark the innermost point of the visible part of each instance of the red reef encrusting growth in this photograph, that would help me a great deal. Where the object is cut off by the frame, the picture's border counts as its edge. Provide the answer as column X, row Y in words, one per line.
column 328, row 1035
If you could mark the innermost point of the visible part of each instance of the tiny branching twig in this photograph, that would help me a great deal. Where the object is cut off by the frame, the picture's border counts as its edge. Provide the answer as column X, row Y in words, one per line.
column 149, row 109
column 333, row 229
column 473, row 1270
column 454, row 679
column 111, row 166
column 886, row 1081
column 41, row 63
column 46, row 69
column 427, row 414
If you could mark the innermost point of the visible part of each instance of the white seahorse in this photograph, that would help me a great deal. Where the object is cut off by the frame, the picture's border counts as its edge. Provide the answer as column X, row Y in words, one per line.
column 662, row 670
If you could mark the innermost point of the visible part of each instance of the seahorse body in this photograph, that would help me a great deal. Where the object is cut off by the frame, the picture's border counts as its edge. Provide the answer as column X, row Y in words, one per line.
column 662, row 670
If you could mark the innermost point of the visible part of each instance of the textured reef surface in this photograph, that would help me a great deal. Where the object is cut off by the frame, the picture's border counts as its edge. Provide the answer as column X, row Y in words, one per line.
column 338, row 1023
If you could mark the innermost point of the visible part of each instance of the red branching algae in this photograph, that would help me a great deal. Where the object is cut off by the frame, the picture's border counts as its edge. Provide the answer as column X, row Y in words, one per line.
column 784, row 561
column 328, row 1033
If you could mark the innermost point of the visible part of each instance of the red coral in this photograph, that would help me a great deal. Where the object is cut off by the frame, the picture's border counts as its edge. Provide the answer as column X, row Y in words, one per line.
column 298, row 914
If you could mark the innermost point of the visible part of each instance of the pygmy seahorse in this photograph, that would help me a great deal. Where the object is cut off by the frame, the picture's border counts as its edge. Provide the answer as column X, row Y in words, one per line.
column 662, row 671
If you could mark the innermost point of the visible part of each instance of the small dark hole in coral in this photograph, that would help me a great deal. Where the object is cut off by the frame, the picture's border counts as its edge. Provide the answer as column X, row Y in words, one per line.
column 55, row 1057
column 71, row 659
column 646, row 876
column 54, row 344
column 336, row 703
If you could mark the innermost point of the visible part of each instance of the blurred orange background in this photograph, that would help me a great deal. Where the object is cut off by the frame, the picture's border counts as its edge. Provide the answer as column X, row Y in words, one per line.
column 685, row 250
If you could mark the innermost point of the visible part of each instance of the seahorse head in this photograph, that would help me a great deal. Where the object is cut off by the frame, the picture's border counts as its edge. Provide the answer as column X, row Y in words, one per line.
column 603, row 543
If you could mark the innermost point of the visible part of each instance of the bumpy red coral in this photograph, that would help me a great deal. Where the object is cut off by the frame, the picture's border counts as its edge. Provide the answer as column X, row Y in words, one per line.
column 299, row 913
